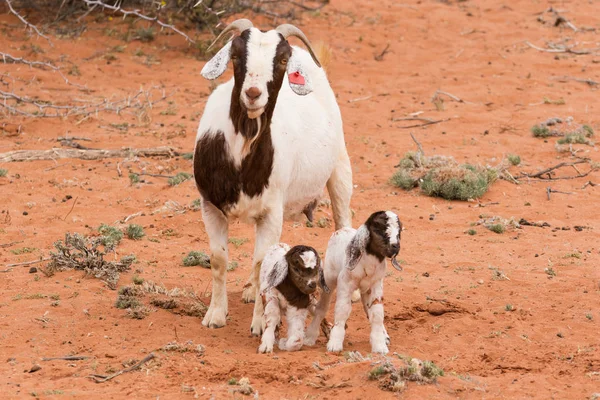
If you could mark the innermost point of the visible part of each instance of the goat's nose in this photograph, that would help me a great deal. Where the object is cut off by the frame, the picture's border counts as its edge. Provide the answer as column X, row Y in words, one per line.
column 312, row 285
column 253, row 93
column 395, row 247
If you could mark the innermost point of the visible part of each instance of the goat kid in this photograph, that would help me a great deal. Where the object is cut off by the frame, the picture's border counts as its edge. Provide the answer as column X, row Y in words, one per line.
column 288, row 280
column 355, row 259
column 265, row 150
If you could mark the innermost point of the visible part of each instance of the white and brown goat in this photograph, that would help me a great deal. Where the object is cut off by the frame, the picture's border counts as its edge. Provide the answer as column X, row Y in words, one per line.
column 356, row 260
column 269, row 141
column 288, row 281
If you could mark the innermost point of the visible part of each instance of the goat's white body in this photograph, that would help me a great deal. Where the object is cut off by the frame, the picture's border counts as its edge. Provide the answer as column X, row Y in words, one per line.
column 367, row 277
column 309, row 153
column 276, row 304
column 307, row 136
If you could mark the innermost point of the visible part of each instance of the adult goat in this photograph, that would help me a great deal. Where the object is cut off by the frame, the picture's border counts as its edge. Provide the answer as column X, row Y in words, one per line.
column 266, row 150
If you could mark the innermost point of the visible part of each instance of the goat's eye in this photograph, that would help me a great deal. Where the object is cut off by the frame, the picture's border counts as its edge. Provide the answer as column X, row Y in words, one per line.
column 283, row 61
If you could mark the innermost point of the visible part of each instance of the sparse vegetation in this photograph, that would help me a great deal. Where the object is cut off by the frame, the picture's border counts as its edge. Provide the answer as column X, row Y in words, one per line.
column 3, row 172
column 138, row 280
column 550, row 272
column 589, row 316
column 135, row 232
column 196, row 258
column 498, row 224
column 179, row 178
column 145, row 34
column 496, row 228
column 83, row 253
column 110, row 236
column 237, row 242
column 472, row 232
column 395, row 379
column 509, row 307
column 187, row 156
column 232, row 266
column 134, row 178
column 442, row 176
column 497, row 274
column 23, row 250
column 514, row 159
column 540, row 131
column 574, row 138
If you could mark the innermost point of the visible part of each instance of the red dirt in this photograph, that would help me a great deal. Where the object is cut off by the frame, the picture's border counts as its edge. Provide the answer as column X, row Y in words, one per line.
column 546, row 348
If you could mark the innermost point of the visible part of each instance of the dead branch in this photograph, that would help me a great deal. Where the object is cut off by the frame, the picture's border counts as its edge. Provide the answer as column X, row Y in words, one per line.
column 561, row 49
column 104, row 378
column 427, row 121
column 117, row 8
column 27, row 24
column 66, row 358
column 72, row 207
column 2, row 246
column 438, row 92
column 7, row 58
column 418, row 144
column 571, row 78
column 550, row 190
column 360, row 99
column 379, row 57
column 589, row 183
column 27, row 263
column 96, row 154
column 139, row 100
column 542, row 174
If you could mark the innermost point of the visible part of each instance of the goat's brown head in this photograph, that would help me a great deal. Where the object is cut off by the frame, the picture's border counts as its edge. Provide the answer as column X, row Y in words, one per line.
column 260, row 63
column 379, row 236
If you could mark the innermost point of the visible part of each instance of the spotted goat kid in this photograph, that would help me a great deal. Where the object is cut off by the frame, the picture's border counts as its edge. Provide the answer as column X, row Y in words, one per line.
column 288, row 281
column 356, row 259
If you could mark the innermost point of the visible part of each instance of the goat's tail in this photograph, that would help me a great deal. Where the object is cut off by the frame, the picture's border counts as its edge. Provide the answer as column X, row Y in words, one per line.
column 324, row 54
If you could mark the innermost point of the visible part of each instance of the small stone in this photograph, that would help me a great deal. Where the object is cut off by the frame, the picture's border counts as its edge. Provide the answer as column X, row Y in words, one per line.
column 35, row 368
column 426, row 274
column 25, row 213
column 32, row 270
column 480, row 281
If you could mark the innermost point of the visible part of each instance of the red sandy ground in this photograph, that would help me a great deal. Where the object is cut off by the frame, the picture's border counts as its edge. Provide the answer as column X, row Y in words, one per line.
column 474, row 50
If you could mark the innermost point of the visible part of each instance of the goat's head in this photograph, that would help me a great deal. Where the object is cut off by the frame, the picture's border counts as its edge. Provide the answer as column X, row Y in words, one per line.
column 260, row 62
column 379, row 236
column 302, row 265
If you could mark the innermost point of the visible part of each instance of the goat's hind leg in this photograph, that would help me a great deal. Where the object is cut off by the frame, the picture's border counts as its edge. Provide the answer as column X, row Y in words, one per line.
column 312, row 333
column 217, row 229
column 339, row 187
column 272, row 318
column 375, row 312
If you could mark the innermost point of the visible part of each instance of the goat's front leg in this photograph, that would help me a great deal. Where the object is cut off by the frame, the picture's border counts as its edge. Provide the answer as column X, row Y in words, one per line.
column 296, row 318
column 217, row 229
column 365, row 297
column 343, row 307
column 272, row 317
column 374, row 308
column 312, row 333
column 268, row 233
column 339, row 187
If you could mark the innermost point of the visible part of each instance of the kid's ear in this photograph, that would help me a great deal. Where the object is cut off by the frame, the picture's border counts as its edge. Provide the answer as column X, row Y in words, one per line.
column 215, row 67
column 356, row 247
column 275, row 276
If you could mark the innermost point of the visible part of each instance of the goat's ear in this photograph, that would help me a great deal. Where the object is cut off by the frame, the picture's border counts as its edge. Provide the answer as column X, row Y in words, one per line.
column 357, row 247
column 218, row 64
column 298, row 77
column 322, row 282
column 275, row 276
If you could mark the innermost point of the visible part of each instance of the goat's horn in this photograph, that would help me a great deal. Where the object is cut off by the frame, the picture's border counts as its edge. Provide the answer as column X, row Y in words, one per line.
column 288, row 30
column 239, row 24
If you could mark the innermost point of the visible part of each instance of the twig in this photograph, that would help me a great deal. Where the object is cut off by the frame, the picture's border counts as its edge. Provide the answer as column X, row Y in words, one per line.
column 6, row 270
column 157, row 175
column 119, row 169
column 27, row 24
column 2, row 246
column 359, row 99
column 309, row 8
column 96, row 154
column 38, row 64
column 547, row 171
column 27, row 263
column 550, row 190
column 379, row 57
column 60, row 138
column 117, row 8
column 561, row 50
column 73, row 206
column 418, row 144
column 104, row 378
column 428, row 121
column 589, row 183
column 132, row 216
column 571, row 78
column 66, row 358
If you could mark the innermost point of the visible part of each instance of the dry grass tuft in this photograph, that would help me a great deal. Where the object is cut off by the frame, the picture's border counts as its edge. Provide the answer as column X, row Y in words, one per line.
column 395, row 379
column 83, row 253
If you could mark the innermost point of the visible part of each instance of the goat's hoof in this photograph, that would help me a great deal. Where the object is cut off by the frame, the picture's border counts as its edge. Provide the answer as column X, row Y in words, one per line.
column 248, row 294
column 380, row 349
column 334, row 347
column 265, row 348
column 356, row 296
column 257, row 328
column 310, row 339
column 215, row 318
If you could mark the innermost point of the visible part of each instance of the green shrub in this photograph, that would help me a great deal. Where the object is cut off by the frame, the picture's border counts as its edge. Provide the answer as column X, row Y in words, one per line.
column 179, row 178
column 3, row 172
column 574, row 138
column 135, row 232
column 196, row 258
column 497, row 228
column 403, row 179
column 134, row 178
column 540, row 131
column 145, row 34
column 514, row 159
column 457, row 183
column 111, row 236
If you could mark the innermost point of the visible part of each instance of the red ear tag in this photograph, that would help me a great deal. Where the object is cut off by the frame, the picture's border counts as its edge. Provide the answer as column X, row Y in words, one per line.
column 296, row 78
